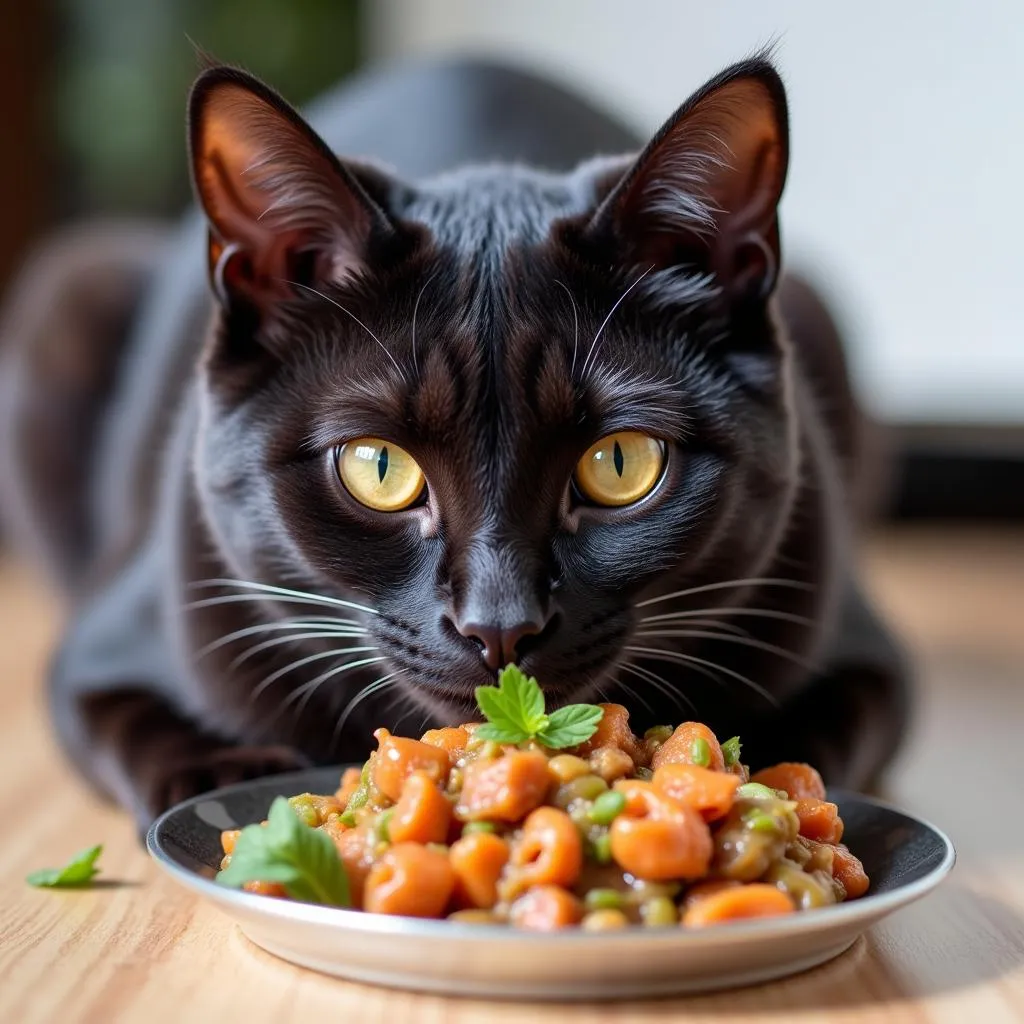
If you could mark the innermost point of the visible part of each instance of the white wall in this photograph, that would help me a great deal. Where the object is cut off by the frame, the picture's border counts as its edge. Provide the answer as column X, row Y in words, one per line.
column 906, row 192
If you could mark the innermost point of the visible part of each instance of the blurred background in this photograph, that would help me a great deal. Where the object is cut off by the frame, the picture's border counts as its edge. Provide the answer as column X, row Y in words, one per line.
column 902, row 201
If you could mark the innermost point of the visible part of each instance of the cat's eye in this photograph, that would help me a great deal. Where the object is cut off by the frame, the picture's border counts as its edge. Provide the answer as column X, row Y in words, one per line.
column 620, row 469
column 379, row 474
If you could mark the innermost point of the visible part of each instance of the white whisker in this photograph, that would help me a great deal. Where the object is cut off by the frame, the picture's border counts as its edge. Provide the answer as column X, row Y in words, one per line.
column 301, row 662
column 266, row 645
column 275, row 626
column 604, row 323
column 306, row 690
column 663, row 654
column 576, row 327
column 727, row 585
column 763, row 613
column 300, row 596
column 415, row 310
column 760, row 645
column 661, row 684
column 349, row 312
column 376, row 686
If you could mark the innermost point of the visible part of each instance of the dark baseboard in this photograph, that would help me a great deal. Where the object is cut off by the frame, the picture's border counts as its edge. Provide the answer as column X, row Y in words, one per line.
column 956, row 473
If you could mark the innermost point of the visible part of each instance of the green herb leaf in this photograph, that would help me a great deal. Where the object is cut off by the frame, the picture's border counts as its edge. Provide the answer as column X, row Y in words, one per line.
column 79, row 871
column 575, row 723
column 731, row 750
column 302, row 859
column 516, row 704
column 501, row 734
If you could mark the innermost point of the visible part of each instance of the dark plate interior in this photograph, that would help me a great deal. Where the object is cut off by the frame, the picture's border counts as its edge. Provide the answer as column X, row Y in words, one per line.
column 895, row 848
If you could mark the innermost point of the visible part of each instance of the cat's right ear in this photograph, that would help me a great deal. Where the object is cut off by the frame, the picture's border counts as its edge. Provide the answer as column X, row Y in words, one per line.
column 282, row 210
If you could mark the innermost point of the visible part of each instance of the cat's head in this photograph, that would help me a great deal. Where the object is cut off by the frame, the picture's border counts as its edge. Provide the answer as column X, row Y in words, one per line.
column 503, row 407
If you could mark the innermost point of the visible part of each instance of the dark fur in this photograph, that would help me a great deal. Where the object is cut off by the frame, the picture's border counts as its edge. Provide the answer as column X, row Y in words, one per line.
column 509, row 274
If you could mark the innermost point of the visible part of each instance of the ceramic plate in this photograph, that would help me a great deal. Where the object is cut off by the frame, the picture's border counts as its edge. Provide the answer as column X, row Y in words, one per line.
column 904, row 857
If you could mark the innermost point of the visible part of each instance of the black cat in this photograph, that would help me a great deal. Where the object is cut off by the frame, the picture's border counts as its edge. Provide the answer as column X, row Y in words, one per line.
column 572, row 418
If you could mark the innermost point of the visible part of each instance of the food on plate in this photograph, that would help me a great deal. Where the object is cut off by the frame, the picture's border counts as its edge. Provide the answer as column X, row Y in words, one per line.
column 545, row 821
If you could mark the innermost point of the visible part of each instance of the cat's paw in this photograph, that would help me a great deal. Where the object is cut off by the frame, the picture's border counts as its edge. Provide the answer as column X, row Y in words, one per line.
column 222, row 766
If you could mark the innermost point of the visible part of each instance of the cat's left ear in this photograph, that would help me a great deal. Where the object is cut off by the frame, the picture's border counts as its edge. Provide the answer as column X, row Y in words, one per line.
column 705, row 191
column 280, row 205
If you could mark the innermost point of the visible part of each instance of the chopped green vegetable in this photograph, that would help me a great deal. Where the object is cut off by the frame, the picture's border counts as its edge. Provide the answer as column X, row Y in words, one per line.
column 601, row 848
column 382, row 825
column 302, row 859
column 760, row 821
column 731, row 750
column 755, row 791
column 700, row 751
column 78, row 871
column 355, row 801
column 607, row 807
column 478, row 826
column 603, row 899
column 514, row 710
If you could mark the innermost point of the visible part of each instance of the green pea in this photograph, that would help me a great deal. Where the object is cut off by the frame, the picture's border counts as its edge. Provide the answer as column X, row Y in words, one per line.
column 601, row 849
column 305, row 811
column 755, row 791
column 603, row 899
column 607, row 807
column 658, row 733
column 731, row 751
column 474, row 827
column 355, row 801
column 381, row 830
column 658, row 912
column 760, row 821
column 700, row 752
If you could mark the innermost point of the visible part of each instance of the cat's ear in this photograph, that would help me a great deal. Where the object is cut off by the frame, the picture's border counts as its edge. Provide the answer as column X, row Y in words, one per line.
column 281, row 208
column 704, row 192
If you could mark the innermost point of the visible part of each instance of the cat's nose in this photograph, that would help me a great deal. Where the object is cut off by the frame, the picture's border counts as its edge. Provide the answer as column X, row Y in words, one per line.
column 500, row 646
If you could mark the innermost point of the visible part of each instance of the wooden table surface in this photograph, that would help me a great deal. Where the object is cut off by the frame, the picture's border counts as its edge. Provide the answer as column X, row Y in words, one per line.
column 137, row 949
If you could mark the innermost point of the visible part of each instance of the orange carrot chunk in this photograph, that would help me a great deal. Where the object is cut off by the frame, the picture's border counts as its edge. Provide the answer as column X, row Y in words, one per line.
column 656, row 838
column 549, row 852
column 709, row 793
column 691, row 743
column 819, row 820
column 478, row 860
column 453, row 741
column 505, row 789
column 849, row 872
column 612, row 731
column 409, row 880
column 799, row 781
column 546, row 909
column 422, row 814
column 737, row 904
column 397, row 758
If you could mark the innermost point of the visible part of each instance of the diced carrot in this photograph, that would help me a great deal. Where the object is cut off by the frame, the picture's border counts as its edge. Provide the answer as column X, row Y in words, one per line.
column 409, row 880
column 546, row 909
column 452, row 741
column 657, row 838
column 819, row 820
column 355, row 848
column 702, row 890
column 265, row 889
column 799, row 781
column 478, row 860
column 422, row 814
column 709, row 793
column 228, row 840
column 735, row 904
column 849, row 872
column 505, row 789
column 613, row 731
column 397, row 758
column 349, row 784
column 549, row 852
column 684, row 745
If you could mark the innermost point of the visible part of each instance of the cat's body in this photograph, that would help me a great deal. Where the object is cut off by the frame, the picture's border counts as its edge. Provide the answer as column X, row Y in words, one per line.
column 494, row 322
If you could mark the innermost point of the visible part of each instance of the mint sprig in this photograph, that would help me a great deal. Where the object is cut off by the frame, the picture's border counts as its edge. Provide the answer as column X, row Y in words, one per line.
column 79, row 871
column 287, row 851
column 515, row 713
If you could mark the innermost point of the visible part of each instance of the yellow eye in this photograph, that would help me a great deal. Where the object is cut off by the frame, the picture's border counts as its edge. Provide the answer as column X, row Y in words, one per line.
column 380, row 474
column 621, row 468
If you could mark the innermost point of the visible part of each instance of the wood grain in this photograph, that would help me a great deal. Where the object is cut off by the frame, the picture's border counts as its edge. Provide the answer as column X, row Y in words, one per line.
column 136, row 949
